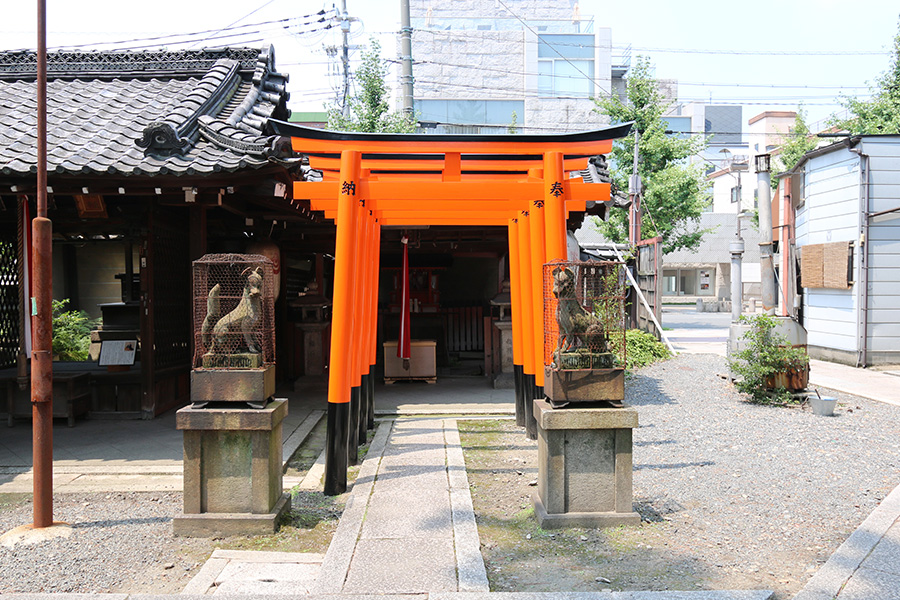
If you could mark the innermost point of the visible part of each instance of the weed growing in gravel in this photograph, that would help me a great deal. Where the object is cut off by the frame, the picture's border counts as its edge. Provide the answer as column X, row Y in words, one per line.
column 642, row 349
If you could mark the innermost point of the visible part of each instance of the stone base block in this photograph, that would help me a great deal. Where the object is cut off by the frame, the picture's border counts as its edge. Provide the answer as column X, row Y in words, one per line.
column 233, row 385
column 590, row 520
column 584, row 466
column 226, row 524
column 232, row 469
column 592, row 385
column 504, row 381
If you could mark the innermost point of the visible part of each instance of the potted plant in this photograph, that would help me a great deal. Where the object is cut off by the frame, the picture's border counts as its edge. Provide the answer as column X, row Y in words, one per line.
column 768, row 367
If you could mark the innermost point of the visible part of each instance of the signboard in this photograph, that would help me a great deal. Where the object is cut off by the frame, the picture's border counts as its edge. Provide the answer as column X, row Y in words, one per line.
column 117, row 352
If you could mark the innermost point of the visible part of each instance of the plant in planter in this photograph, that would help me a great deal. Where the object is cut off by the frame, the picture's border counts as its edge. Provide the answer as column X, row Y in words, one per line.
column 71, row 332
column 768, row 367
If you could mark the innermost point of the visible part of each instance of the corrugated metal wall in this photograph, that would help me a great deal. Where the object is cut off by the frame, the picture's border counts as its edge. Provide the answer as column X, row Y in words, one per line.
column 831, row 213
column 884, row 245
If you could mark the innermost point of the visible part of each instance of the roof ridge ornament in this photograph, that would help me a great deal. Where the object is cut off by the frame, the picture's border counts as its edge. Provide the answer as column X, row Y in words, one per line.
column 176, row 132
column 162, row 138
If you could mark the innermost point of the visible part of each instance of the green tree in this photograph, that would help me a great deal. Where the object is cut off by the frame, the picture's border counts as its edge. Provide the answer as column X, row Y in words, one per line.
column 880, row 114
column 798, row 142
column 369, row 109
column 675, row 191
column 513, row 126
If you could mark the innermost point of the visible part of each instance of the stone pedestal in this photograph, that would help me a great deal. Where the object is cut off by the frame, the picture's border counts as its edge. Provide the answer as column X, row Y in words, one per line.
column 584, row 466
column 505, row 379
column 232, row 471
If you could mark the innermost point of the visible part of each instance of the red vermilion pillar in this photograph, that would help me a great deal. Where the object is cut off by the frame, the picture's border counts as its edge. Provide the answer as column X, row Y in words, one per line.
column 555, row 206
column 515, row 294
column 373, row 321
column 342, row 326
column 536, row 266
column 357, row 339
column 527, row 297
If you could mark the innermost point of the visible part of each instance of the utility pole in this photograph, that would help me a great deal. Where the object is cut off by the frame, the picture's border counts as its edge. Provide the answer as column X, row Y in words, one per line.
column 406, row 71
column 345, row 58
column 42, row 344
column 634, row 193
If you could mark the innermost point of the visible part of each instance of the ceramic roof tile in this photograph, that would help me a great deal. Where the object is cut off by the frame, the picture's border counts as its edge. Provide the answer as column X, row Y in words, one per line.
column 101, row 103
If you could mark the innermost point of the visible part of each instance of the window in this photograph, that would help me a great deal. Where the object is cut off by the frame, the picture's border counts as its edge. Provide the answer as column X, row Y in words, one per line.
column 565, row 64
column 470, row 112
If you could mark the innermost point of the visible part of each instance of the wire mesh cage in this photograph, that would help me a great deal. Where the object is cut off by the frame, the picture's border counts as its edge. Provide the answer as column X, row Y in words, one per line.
column 234, row 311
column 584, row 315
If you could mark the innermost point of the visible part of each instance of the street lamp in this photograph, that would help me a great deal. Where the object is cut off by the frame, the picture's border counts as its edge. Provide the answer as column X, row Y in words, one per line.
column 736, row 248
column 766, row 263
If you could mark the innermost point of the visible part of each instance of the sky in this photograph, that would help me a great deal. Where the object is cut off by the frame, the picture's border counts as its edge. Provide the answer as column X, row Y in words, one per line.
column 766, row 55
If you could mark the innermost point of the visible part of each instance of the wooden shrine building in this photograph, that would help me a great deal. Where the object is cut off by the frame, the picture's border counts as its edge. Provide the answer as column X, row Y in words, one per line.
column 154, row 159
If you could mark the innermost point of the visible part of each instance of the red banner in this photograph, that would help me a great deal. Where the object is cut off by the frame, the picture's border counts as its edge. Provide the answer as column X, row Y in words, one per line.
column 403, row 341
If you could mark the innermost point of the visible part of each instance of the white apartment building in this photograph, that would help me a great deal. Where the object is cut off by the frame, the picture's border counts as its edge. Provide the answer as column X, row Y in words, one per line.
column 482, row 65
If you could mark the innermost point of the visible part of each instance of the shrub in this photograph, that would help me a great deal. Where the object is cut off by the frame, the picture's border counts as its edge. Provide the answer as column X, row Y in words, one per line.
column 766, row 352
column 642, row 349
column 71, row 332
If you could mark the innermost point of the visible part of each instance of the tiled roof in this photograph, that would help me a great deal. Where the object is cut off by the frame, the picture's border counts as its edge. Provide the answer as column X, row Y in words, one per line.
column 189, row 112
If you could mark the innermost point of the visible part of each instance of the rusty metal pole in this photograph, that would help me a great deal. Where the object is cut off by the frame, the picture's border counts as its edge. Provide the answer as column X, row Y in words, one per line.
column 41, row 308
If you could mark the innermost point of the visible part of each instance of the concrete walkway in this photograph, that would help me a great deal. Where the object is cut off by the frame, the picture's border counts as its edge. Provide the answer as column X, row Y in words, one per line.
column 123, row 456
column 408, row 526
column 867, row 565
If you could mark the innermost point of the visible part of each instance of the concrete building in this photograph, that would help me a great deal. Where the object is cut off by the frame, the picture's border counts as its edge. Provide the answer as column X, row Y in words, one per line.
column 480, row 66
column 706, row 272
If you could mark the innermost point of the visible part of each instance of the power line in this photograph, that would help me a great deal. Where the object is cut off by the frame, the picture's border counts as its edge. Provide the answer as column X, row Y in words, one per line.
column 780, row 100
column 698, row 84
column 241, row 19
column 162, row 39
column 551, row 46
column 765, row 52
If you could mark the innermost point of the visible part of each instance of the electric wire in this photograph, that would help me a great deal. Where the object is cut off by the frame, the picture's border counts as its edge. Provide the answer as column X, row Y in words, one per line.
column 763, row 52
column 162, row 40
column 680, row 83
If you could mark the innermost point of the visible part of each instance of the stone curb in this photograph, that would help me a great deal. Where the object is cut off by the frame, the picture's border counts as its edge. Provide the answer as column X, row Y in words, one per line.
column 296, row 438
column 471, row 574
column 837, row 571
column 666, row 595
column 340, row 551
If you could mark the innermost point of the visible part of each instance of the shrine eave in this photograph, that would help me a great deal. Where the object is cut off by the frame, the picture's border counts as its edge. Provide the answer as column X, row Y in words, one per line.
column 310, row 133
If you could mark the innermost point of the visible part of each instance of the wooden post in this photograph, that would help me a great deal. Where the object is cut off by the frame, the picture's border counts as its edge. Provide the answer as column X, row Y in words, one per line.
column 340, row 368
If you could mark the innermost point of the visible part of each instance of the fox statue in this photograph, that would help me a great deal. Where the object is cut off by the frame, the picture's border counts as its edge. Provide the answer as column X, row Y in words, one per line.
column 222, row 335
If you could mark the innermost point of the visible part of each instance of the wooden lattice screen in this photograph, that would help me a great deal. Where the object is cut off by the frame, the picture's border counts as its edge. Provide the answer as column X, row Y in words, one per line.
column 9, row 296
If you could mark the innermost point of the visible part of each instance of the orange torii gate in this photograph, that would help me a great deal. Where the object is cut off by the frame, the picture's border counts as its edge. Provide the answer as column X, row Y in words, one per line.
column 373, row 180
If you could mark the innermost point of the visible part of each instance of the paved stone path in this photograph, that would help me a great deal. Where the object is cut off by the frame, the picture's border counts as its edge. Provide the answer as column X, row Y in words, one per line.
column 408, row 526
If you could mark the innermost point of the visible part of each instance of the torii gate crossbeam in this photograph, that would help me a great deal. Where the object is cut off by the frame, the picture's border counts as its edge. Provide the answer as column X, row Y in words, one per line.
column 372, row 180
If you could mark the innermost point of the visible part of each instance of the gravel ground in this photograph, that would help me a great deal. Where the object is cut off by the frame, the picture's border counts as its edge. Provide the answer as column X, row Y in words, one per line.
column 743, row 496
column 733, row 495
column 119, row 542
column 765, row 488
column 123, row 542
